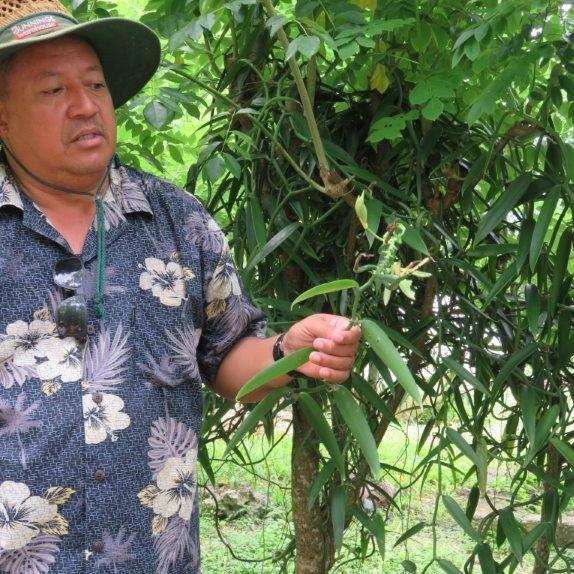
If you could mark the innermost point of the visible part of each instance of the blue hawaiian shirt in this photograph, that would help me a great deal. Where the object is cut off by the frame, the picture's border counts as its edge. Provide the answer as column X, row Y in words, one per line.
column 99, row 440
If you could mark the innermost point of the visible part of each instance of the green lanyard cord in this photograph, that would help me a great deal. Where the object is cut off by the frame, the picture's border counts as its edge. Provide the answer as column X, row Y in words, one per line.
column 101, row 265
column 100, row 222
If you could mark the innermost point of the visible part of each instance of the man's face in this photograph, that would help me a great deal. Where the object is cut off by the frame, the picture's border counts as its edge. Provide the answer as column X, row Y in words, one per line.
column 58, row 117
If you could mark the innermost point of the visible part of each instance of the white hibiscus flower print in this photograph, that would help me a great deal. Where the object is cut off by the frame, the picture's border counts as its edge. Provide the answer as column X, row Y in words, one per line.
column 25, row 343
column 177, row 486
column 64, row 361
column 21, row 516
column 166, row 280
column 8, row 194
column 224, row 283
column 103, row 416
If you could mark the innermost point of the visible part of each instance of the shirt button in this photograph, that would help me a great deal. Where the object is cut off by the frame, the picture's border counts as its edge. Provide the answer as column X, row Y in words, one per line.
column 97, row 398
column 90, row 329
column 98, row 546
column 99, row 476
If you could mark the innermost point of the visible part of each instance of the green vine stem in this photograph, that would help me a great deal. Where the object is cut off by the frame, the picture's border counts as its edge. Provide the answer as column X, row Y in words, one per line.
column 303, row 94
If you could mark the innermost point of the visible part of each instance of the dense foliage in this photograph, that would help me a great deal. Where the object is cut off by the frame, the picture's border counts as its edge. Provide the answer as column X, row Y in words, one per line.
column 418, row 153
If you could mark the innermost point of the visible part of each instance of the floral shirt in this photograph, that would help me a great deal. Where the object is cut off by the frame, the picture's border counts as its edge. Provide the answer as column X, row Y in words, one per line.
column 99, row 440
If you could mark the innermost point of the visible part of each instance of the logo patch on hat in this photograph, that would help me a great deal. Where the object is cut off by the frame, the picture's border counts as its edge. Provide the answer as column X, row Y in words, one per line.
column 34, row 26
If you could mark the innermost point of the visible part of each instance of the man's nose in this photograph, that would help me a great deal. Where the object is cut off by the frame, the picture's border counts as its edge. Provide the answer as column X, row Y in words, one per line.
column 82, row 103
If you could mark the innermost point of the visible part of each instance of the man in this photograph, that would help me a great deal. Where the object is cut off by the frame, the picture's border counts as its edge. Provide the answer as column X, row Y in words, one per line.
column 118, row 299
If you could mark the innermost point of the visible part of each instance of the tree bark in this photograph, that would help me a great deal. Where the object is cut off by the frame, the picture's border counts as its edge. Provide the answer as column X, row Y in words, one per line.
column 542, row 551
column 314, row 544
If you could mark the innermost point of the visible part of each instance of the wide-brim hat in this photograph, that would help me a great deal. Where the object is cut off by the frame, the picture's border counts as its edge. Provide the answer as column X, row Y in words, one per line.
column 128, row 51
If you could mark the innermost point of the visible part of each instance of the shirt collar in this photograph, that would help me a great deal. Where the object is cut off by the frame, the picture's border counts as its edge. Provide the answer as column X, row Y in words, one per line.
column 124, row 195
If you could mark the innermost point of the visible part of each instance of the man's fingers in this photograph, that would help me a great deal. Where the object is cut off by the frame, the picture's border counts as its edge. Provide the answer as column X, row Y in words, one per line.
column 330, row 347
column 328, row 374
column 337, row 363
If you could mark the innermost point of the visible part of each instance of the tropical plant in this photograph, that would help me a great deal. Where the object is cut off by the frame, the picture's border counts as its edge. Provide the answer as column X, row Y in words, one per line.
column 368, row 141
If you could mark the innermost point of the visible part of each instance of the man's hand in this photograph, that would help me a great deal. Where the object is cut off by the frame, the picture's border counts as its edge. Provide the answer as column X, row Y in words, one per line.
column 334, row 344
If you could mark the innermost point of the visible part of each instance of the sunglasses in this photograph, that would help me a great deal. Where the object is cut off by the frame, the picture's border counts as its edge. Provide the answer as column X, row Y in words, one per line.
column 72, row 312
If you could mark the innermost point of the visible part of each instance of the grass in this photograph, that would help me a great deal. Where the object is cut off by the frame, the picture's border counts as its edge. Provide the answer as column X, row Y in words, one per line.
column 252, row 538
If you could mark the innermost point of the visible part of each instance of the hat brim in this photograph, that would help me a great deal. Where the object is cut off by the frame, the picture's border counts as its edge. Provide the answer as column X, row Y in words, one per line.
column 129, row 52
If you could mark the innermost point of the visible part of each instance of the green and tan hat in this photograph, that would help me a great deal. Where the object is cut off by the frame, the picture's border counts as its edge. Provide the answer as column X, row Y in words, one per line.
column 129, row 51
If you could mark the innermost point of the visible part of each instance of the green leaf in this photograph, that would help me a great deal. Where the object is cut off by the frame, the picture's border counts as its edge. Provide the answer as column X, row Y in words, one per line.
column 379, row 531
column 338, row 510
column 551, row 512
column 204, row 459
column 565, row 349
column 276, row 22
column 409, row 566
column 533, row 535
column 465, row 375
column 319, row 423
column 493, row 250
column 254, row 418
column 355, row 419
column 292, row 49
column 505, row 278
column 528, row 408
column 508, row 199
column 278, row 368
column 255, row 224
column 448, row 566
column 432, row 88
column 524, row 241
column 512, row 532
column 472, row 50
column 271, row 245
column 331, row 287
column 413, row 238
column 375, row 525
column 324, row 475
column 457, row 439
column 306, row 45
column 560, row 267
column 542, row 224
column 460, row 517
column 468, row 33
column 472, row 502
column 309, row 45
column 487, row 563
column 214, row 168
column 433, row 109
column 156, row 114
column 348, row 50
column 361, row 210
column 386, row 351
column 568, row 155
column 564, row 449
column 547, row 421
column 232, row 165
column 374, row 213
column 516, row 359
column 409, row 533
column 485, row 102
column 532, row 307
column 389, row 128
column 371, row 397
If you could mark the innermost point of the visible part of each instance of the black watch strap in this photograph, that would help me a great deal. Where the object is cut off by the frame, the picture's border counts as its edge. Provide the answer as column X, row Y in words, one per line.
column 278, row 348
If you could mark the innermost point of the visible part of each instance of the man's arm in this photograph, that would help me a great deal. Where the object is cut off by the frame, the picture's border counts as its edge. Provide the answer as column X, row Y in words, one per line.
column 332, row 359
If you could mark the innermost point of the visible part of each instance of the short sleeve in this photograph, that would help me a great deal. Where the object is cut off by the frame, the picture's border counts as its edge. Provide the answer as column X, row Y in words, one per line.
column 228, row 315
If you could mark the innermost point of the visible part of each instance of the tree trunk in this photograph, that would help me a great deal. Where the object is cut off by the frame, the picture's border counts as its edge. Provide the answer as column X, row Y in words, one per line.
column 542, row 552
column 314, row 544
